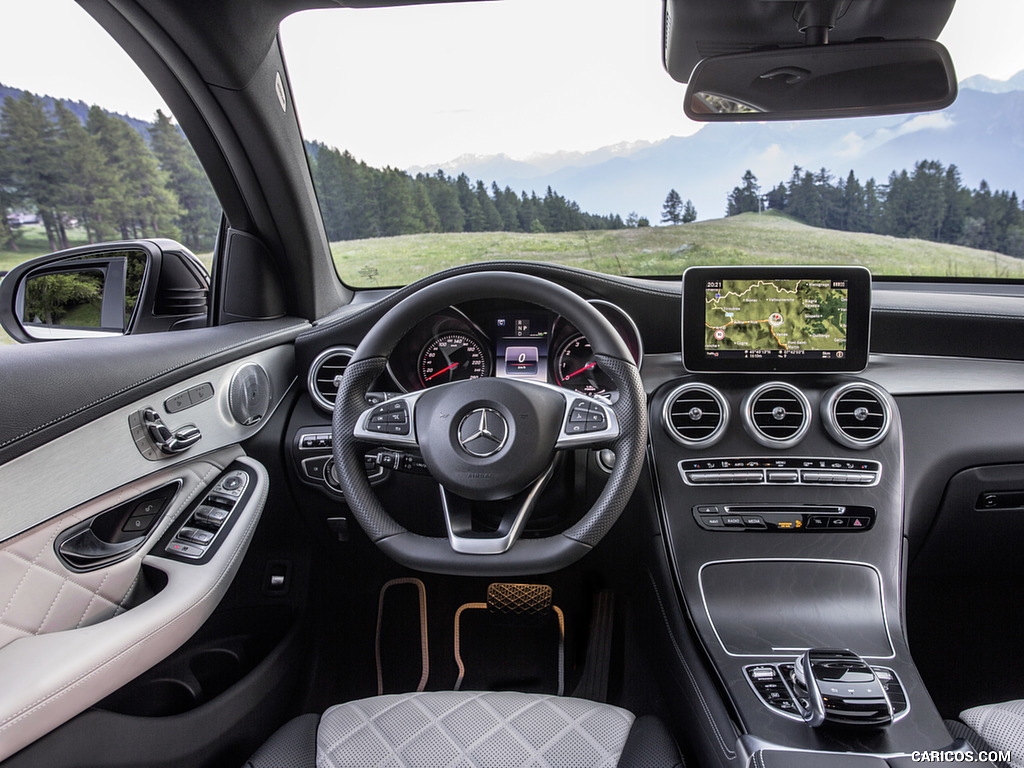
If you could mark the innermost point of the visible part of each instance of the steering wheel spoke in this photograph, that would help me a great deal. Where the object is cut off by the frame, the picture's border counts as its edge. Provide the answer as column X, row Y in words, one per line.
column 458, row 519
column 391, row 423
column 587, row 421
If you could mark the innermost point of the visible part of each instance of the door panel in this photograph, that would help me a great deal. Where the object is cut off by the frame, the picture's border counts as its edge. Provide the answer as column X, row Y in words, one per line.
column 103, row 454
column 50, row 389
column 51, row 676
column 71, row 448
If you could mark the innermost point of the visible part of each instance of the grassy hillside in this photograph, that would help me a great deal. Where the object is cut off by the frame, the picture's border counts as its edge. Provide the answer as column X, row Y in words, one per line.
column 745, row 239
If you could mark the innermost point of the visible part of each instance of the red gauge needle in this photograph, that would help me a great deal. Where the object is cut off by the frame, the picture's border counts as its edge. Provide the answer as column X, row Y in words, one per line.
column 586, row 367
column 448, row 368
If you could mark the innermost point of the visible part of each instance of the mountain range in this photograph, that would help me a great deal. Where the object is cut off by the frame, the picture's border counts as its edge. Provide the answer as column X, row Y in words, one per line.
column 982, row 133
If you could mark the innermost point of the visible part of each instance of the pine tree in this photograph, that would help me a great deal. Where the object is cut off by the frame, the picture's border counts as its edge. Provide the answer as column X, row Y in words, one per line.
column 33, row 160
column 8, row 197
column 88, row 175
column 492, row 219
column 854, row 205
column 507, row 203
column 200, row 210
column 139, row 200
column 745, row 199
column 672, row 210
column 689, row 212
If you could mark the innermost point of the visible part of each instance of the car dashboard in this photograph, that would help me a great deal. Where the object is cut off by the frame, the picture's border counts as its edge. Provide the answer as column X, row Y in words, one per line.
column 778, row 534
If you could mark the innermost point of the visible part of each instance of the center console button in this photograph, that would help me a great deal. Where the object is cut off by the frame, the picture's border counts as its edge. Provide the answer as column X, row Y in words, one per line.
column 753, row 522
column 712, row 521
column 733, row 521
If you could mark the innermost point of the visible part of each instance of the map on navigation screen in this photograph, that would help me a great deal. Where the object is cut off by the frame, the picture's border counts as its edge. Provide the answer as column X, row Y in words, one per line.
column 775, row 317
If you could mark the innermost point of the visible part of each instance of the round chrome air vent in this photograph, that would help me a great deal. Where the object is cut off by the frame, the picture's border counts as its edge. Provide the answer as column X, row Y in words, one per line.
column 857, row 415
column 695, row 414
column 326, row 368
column 776, row 414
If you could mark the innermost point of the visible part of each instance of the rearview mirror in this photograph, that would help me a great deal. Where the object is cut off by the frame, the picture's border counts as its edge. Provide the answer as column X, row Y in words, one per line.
column 837, row 80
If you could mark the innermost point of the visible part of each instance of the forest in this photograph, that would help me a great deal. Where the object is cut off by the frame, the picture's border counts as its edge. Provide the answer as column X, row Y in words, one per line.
column 100, row 175
column 359, row 201
column 118, row 182
column 929, row 203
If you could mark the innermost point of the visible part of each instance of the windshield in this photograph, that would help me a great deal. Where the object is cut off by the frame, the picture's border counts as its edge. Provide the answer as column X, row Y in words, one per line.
column 441, row 135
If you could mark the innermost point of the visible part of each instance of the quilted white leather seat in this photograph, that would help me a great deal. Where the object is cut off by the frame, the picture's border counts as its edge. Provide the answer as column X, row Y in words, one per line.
column 1000, row 727
column 463, row 729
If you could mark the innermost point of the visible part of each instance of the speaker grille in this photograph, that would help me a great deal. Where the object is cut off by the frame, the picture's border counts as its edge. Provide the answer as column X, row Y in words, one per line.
column 249, row 394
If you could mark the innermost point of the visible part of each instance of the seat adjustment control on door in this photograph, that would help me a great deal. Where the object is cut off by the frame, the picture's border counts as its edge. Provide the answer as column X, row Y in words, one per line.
column 155, row 439
column 839, row 687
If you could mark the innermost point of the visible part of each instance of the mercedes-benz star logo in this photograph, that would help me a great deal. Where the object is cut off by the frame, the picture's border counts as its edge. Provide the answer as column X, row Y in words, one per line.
column 483, row 432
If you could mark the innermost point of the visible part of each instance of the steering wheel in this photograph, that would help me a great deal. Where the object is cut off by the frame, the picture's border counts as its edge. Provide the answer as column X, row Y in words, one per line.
column 489, row 439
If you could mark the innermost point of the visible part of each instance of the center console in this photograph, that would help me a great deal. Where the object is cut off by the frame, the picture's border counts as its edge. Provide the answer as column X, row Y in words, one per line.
column 779, row 472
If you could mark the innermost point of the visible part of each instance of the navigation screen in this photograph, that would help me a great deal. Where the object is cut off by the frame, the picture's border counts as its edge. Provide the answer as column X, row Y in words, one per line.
column 755, row 318
column 784, row 319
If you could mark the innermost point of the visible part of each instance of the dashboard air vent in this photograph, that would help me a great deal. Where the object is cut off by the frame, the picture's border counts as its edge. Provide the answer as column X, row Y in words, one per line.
column 777, row 414
column 329, row 364
column 856, row 415
column 695, row 414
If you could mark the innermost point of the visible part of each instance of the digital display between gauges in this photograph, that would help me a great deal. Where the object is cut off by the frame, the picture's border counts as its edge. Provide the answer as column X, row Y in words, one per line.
column 453, row 356
column 577, row 369
column 521, row 345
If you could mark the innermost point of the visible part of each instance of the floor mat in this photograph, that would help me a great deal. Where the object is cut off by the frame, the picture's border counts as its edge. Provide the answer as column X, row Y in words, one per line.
column 402, row 649
column 514, row 641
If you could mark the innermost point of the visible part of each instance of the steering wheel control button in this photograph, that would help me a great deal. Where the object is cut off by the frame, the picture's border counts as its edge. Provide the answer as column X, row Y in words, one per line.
column 483, row 432
column 389, row 418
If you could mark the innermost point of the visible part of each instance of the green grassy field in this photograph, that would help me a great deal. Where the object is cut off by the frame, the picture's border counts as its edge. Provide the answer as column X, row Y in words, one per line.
column 745, row 239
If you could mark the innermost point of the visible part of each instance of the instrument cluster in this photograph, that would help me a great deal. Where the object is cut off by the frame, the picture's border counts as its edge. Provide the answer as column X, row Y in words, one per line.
column 508, row 339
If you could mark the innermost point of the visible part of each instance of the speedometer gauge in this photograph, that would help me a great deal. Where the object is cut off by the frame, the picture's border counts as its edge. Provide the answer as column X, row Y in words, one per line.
column 577, row 369
column 453, row 356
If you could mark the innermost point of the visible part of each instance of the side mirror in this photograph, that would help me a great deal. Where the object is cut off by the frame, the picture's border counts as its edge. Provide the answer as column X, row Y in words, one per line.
column 882, row 77
column 109, row 289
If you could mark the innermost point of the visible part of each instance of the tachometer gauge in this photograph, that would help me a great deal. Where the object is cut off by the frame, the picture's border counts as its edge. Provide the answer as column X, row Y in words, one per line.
column 576, row 368
column 452, row 356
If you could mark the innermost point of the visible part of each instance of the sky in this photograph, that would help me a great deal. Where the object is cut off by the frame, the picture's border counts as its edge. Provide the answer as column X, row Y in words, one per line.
column 550, row 79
